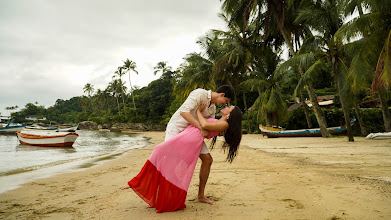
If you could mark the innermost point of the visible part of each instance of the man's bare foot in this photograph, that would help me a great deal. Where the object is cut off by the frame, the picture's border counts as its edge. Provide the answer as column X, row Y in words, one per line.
column 125, row 187
column 205, row 200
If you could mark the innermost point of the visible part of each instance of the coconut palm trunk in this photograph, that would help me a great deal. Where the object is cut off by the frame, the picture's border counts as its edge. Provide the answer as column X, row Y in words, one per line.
column 269, row 119
column 119, row 111
column 345, row 112
column 248, row 113
column 385, row 111
column 314, row 100
column 131, row 89
column 123, row 97
column 363, row 126
column 317, row 110
column 306, row 112
column 130, row 65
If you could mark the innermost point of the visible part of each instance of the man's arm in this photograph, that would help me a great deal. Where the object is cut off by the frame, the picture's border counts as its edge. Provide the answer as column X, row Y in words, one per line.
column 189, row 118
column 192, row 103
column 219, row 125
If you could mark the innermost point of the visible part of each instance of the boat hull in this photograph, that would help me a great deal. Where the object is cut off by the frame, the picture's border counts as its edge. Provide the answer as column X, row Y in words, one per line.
column 39, row 128
column 11, row 129
column 379, row 135
column 52, row 139
column 70, row 129
column 301, row 133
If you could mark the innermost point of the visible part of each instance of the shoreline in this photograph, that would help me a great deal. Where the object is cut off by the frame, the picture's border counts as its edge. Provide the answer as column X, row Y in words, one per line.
column 284, row 178
column 13, row 178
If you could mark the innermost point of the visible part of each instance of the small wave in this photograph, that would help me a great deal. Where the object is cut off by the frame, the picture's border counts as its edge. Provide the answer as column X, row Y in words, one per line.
column 25, row 163
column 36, row 167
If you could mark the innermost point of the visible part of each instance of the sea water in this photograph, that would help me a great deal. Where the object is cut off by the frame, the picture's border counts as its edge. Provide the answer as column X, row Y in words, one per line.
column 21, row 163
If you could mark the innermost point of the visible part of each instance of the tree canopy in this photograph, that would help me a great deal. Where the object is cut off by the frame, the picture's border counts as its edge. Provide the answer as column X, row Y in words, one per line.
column 327, row 55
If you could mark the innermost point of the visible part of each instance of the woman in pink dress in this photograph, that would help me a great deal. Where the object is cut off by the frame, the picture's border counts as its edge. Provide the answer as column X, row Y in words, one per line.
column 165, row 178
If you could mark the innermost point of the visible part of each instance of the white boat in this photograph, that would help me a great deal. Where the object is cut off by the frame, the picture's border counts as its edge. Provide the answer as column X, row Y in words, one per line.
column 47, row 138
column 379, row 135
column 10, row 129
column 74, row 128
column 41, row 128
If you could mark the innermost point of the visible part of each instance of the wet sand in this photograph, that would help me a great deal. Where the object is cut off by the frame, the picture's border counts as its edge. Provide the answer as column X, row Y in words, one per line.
column 283, row 178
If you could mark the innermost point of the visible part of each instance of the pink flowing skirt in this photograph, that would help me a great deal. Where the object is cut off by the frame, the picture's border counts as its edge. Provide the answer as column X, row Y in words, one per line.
column 165, row 178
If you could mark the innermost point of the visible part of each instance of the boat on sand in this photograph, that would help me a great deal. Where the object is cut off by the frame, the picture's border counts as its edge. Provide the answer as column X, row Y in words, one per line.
column 379, row 135
column 314, row 132
column 47, row 138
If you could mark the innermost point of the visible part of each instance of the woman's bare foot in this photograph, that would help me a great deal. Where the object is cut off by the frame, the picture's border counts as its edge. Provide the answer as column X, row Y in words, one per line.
column 205, row 200
column 125, row 187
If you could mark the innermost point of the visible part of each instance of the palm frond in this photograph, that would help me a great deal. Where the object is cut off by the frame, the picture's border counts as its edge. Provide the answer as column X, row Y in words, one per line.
column 364, row 63
column 387, row 61
column 255, row 84
column 382, row 6
column 382, row 77
column 303, row 60
column 311, row 44
column 275, row 103
column 314, row 69
column 359, row 26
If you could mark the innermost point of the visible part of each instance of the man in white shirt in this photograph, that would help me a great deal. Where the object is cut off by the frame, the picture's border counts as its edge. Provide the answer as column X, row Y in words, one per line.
column 187, row 114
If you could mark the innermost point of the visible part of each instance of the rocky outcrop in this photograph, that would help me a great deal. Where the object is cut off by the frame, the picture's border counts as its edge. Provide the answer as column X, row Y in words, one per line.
column 145, row 127
column 88, row 125
column 138, row 126
column 133, row 126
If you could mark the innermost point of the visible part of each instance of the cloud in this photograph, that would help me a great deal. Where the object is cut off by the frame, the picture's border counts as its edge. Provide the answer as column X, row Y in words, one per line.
column 50, row 49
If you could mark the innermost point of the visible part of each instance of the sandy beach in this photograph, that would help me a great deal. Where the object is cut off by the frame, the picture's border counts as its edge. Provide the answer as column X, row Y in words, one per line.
column 283, row 178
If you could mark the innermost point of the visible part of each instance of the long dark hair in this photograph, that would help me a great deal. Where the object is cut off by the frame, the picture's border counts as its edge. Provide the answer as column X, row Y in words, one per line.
column 233, row 135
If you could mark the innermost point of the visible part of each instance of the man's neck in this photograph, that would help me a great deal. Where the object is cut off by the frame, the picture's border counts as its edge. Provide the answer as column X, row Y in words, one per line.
column 213, row 97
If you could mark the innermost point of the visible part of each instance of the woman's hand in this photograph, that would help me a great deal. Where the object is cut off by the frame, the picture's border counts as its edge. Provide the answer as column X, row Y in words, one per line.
column 204, row 133
column 202, row 106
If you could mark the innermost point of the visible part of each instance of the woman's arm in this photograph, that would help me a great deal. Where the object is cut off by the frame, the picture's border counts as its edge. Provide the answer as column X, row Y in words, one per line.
column 219, row 125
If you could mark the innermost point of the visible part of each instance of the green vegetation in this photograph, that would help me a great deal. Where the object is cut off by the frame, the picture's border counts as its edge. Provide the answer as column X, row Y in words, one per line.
column 350, row 60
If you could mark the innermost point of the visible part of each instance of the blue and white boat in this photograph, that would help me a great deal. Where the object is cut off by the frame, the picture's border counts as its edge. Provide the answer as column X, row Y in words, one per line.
column 315, row 132
column 10, row 129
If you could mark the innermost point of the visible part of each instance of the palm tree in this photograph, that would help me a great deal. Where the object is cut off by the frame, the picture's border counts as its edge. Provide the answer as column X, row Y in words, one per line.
column 235, row 52
column 161, row 66
column 119, row 73
column 373, row 49
column 128, row 66
column 89, row 89
column 195, row 72
column 102, row 99
column 115, row 87
column 8, row 109
column 271, row 15
column 325, row 17
column 271, row 103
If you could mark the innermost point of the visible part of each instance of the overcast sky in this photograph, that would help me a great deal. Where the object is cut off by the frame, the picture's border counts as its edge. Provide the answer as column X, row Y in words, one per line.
column 49, row 49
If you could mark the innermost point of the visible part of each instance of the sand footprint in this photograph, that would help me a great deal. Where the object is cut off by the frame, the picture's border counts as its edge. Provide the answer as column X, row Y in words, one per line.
column 293, row 204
